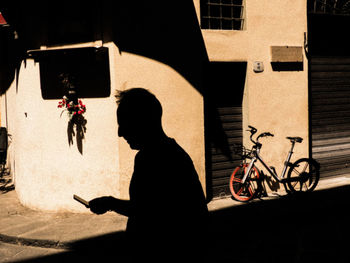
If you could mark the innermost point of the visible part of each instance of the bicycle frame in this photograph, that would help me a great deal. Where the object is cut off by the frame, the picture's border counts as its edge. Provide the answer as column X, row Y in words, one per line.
column 257, row 156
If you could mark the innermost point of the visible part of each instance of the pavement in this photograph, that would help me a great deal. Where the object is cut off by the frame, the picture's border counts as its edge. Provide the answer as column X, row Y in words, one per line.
column 63, row 231
column 21, row 225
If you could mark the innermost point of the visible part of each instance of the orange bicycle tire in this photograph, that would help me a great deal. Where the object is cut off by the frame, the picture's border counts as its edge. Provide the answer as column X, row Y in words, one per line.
column 237, row 194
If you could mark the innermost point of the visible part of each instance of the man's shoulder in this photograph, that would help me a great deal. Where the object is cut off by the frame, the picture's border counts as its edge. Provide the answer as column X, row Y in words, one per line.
column 166, row 151
column 173, row 149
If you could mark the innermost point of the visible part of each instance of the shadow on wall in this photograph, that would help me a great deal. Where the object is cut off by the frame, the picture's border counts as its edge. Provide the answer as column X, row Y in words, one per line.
column 169, row 33
column 11, row 55
column 77, row 128
column 224, row 86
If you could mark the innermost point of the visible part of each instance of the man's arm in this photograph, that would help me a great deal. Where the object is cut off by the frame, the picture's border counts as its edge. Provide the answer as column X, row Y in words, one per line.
column 108, row 203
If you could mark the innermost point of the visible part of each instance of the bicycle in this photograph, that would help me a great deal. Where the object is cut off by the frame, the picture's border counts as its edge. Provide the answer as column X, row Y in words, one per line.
column 246, row 180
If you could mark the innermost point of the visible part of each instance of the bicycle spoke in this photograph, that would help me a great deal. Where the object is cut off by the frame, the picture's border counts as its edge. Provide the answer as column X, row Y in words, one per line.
column 305, row 186
column 240, row 191
column 311, row 179
column 296, row 171
column 306, row 166
column 296, row 182
column 250, row 190
column 235, row 179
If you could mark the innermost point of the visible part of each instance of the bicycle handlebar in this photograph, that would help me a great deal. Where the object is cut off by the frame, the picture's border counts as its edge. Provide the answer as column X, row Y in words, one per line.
column 253, row 130
column 265, row 134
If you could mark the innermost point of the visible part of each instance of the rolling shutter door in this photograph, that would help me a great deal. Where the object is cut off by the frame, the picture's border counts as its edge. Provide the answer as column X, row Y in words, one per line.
column 330, row 114
column 222, row 166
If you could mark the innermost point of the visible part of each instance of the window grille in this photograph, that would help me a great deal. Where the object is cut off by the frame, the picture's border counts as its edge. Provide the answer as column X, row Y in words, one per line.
column 222, row 14
column 335, row 7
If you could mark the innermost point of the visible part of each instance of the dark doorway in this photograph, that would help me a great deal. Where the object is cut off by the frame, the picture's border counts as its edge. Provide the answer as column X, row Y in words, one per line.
column 224, row 84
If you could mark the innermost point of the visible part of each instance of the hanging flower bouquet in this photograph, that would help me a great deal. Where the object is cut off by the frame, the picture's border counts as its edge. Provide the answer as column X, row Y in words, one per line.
column 72, row 108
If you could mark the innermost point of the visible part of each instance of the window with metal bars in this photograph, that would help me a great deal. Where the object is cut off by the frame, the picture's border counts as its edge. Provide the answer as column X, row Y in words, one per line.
column 222, row 14
column 341, row 7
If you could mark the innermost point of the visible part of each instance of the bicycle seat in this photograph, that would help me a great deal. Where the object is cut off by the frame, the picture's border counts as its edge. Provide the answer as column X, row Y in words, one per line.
column 295, row 139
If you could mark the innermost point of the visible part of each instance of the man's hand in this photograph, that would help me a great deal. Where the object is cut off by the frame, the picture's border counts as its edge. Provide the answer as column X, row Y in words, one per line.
column 101, row 205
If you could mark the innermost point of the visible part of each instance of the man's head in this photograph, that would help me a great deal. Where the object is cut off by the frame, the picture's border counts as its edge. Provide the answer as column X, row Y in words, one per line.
column 139, row 116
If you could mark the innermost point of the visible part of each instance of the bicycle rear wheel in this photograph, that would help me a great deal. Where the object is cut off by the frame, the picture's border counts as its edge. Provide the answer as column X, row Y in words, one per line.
column 303, row 175
column 247, row 191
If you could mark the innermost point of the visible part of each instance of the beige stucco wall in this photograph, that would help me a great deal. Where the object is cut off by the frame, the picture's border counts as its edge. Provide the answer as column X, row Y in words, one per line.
column 273, row 101
column 48, row 171
column 182, row 104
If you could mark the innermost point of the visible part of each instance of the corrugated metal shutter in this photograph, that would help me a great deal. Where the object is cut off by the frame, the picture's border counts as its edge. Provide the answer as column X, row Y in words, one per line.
column 330, row 114
column 221, row 165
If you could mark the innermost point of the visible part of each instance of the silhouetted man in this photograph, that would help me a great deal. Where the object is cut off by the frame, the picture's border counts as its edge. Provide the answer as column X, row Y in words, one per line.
column 167, row 209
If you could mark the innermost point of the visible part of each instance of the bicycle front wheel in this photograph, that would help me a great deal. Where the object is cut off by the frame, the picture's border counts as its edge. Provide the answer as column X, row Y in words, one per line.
column 244, row 191
column 303, row 175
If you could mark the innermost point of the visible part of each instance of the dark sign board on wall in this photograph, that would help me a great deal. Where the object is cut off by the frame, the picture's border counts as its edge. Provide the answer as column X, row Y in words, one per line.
column 88, row 67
